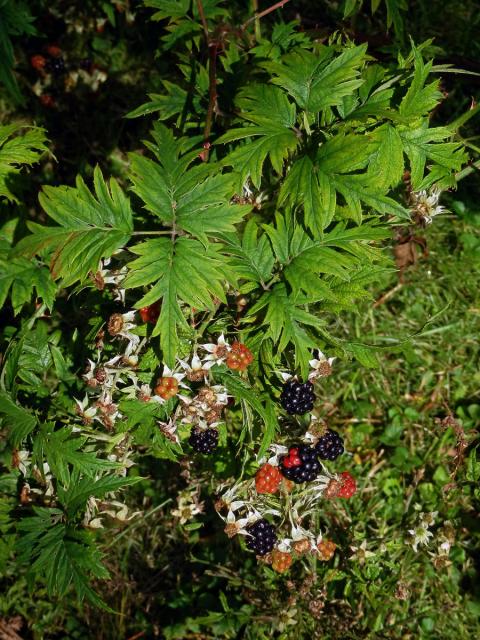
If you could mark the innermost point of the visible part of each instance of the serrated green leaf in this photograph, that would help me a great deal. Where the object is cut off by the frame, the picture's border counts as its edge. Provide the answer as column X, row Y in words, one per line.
column 285, row 321
column 74, row 498
column 318, row 81
column 21, row 276
column 187, row 198
column 423, row 144
column 420, row 99
column 18, row 150
column 271, row 133
column 60, row 554
column 180, row 271
column 62, row 449
column 91, row 227
column 19, row 422
column 253, row 258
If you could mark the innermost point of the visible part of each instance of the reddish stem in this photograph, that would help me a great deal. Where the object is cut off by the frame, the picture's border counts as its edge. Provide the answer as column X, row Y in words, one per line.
column 257, row 16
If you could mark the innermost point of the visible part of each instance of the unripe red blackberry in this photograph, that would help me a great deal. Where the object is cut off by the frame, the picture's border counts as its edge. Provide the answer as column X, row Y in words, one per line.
column 326, row 549
column 38, row 62
column 349, row 485
column 203, row 440
column 166, row 387
column 262, row 537
column 297, row 397
column 268, row 479
column 301, row 464
column 330, row 445
column 281, row 561
column 239, row 357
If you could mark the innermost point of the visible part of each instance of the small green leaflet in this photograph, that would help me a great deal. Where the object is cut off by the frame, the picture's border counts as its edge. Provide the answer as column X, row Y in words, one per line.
column 80, row 489
column 241, row 390
column 18, row 150
column 422, row 144
column 91, row 227
column 285, row 322
column 21, row 276
column 252, row 256
column 188, row 198
column 183, row 270
column 420, row 99
column 19, row 422
column 62, row 449
column 319, row 81
column 171, row 9
column 168, row 104
column 273, row 119
column 305, row 185
column 62, row 554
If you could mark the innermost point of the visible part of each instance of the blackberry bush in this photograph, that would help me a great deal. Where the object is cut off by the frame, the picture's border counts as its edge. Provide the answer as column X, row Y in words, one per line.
column 225, row 251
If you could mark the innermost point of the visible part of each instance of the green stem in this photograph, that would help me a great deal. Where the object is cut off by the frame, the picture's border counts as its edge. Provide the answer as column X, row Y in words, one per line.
column 475, row 166
column 152, row 233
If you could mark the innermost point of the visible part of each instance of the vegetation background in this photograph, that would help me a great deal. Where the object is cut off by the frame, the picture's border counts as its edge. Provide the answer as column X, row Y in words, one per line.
column 411, row 424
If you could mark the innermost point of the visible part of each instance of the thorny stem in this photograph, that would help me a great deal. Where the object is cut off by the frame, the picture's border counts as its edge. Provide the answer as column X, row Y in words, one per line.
column 203, row 19
column 257, row 16
column 212, row 80
column 212, row 93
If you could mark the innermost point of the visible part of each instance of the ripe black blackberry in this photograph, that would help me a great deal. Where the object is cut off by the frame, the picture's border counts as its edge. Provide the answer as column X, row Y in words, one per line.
column 330, row 445
column 56, row 66
column 301, row 464
column 203, row 440
column 262, row 537
column 297, row 397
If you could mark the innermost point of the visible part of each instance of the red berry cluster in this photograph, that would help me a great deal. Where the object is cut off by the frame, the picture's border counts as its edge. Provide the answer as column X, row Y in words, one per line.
column 292, row 460
column 268, row 479
column 239, row 357
column 281, row 560
column 348, row 486
column 166, row 387
column 326, row 549
column 151, row 313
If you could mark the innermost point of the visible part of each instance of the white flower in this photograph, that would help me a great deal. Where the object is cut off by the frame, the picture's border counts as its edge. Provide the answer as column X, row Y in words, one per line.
column 169, row 429
column 428, row 519
column 234, row 527
column 197, row 369
column 230, row 499
column 23, row 461
column 217, row 351
column 121, row 325
column 84, row 411
column 361, row 553
column 420, row 535
column 321, row 365
column 278, row 451
column 425, row 204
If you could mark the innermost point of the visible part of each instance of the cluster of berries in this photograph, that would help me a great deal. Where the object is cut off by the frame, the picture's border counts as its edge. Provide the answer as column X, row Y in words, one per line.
column 301, row 464
column 262, row 539
column 57, row 75
column 297, row 397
